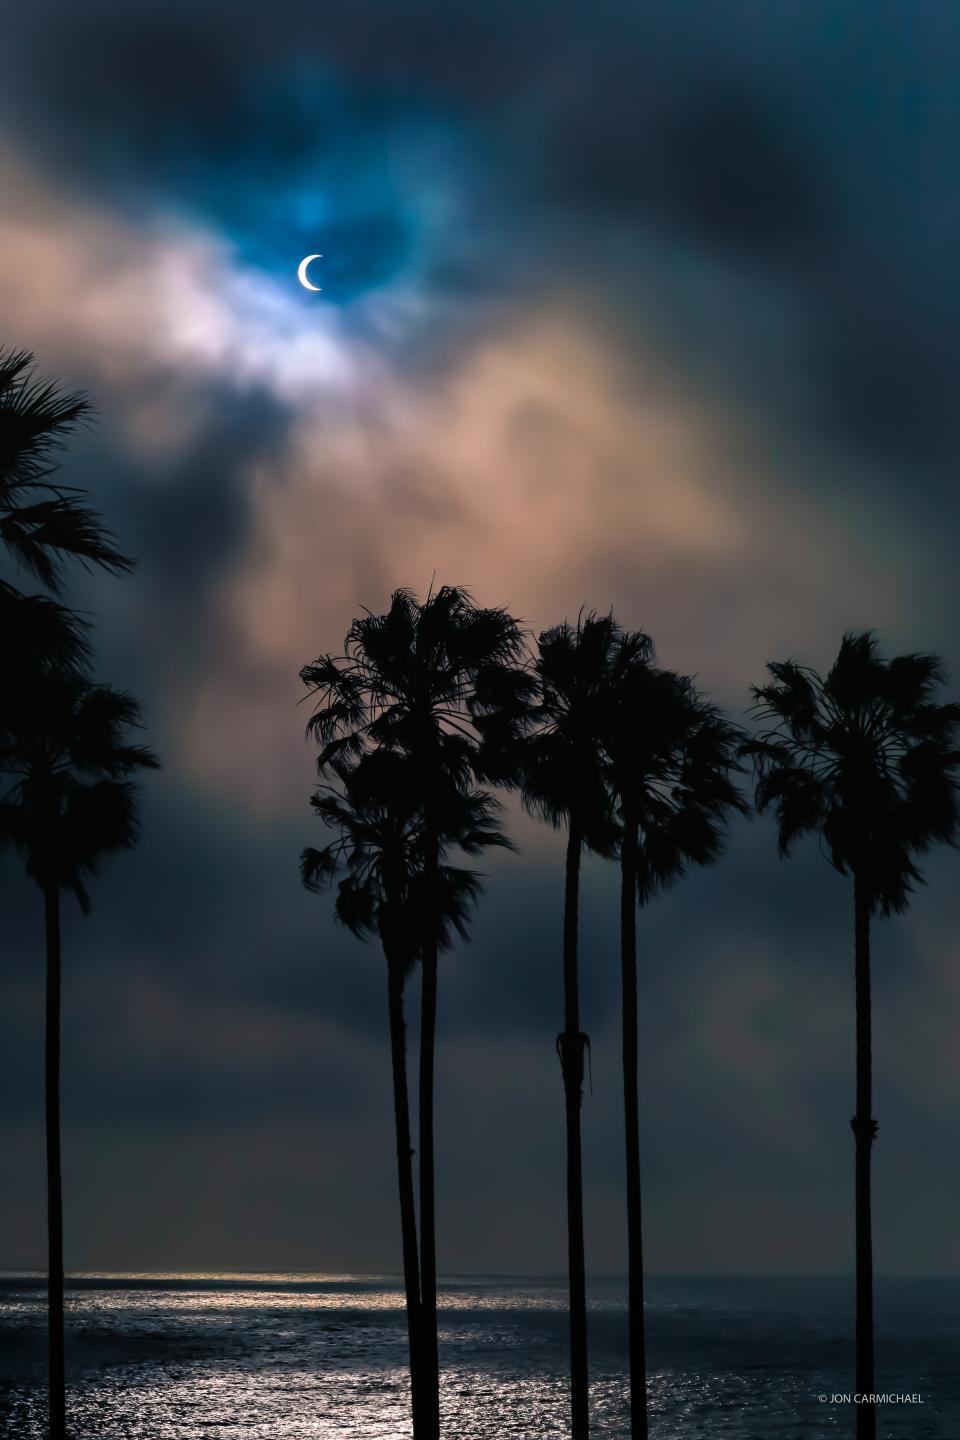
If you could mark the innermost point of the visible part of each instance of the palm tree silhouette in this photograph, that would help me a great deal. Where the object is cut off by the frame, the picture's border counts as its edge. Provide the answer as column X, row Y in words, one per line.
column 64, row 802
column 669, row 757
column 868, row 760
column 376, row 841
column 67, row 799
column 38, row 632
column 42, row 522
column 564, row 782
column 375, row 808
column 415, row 680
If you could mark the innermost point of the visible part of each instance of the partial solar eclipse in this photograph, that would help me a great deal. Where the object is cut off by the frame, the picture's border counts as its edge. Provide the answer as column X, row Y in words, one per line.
column 302, row 268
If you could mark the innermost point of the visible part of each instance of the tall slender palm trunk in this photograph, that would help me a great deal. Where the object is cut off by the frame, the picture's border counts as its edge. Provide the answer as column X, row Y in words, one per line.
column 408, row 1215
column 864, row 1130
column 631, row 1118
column 430, row 1357
column 56, row 1382
column 571, row 1044
column 428, row 1222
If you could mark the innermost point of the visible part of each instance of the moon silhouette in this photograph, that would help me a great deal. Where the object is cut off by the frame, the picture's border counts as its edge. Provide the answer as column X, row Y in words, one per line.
column 302, row 272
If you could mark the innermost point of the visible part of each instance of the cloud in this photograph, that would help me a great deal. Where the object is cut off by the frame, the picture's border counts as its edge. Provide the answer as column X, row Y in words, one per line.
column 622, row 310
column 770, row 138
column 546, row 472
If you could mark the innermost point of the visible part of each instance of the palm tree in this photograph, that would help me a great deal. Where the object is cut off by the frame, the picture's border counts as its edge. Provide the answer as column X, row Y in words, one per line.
column 42, row 522
column 416, row 680
column 66, row 800
column 62, row 759
column 375, row 809
column 564, row 782
column 669, row 756
column 867, row 759
column 38, row 632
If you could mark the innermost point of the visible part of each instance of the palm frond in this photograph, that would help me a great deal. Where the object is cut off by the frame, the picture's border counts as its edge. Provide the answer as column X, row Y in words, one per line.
column 44, row 523
column 867, row 758
column 38, row 632
column 670, row 756
column 66, row 774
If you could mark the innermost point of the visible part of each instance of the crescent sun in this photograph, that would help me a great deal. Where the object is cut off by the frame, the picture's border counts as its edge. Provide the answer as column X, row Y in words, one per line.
column 302, row 272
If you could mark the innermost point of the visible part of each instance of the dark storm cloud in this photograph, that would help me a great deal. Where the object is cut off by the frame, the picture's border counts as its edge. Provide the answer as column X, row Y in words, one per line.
column 208, row 998
column 197, row 913
column 189, row 518
column 212, row 905
column 811, row 144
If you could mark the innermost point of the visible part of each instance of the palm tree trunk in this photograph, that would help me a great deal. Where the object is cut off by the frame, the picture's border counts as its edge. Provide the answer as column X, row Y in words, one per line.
column 571, row 1044
column 428, row 1227
column 864, row 1131
column 408, row 1217
column 56, row 1382
column 631, row 1115
column 430, row 1356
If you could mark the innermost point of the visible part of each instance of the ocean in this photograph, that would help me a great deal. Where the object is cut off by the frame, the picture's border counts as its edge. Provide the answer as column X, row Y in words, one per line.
column 294, row 1357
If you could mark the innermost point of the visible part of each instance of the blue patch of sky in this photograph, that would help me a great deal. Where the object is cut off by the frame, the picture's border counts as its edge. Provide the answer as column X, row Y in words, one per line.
column 308, row 164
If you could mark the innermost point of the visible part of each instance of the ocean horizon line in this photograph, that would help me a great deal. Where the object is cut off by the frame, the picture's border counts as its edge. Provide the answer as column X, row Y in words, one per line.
column 334, row 1277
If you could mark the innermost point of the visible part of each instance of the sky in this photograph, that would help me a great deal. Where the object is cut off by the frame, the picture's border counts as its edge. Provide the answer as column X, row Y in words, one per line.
column 646, row 307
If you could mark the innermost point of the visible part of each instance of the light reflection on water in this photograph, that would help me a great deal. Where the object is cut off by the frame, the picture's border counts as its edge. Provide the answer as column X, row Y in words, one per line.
column 323, row 1357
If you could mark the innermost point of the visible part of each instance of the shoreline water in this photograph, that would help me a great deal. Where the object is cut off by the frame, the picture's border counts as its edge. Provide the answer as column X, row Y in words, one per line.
column 297, row 1355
